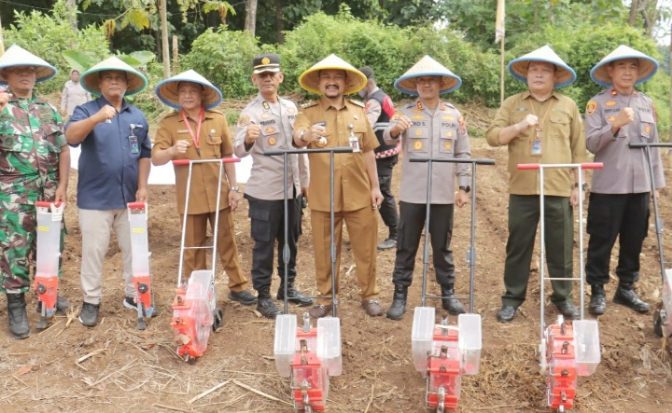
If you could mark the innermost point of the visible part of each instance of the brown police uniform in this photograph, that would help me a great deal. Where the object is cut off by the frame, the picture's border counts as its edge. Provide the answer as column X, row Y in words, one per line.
column 352, row 194
column 215, row 143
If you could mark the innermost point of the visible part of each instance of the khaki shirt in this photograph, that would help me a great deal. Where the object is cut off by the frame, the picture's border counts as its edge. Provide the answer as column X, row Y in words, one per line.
column 352, row 189
column 276, row 133
column 440, row 133
column 215, row 143
column 563, row 142
column 626, row 170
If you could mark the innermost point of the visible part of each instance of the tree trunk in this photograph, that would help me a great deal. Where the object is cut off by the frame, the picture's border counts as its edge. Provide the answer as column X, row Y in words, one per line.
column 279, row 21
column 72, row 6
column 165, row 51
column 251, row 17
column 632, row 20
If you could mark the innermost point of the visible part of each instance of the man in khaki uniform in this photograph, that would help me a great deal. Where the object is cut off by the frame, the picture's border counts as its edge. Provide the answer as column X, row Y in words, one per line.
column 428, row 128
column 620, row 193
column 198, row 132
column 334, row 121
column 540, row 126
column 267, row 123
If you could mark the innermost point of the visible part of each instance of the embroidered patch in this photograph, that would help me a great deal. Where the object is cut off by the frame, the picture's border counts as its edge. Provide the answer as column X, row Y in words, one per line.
column 396, row 116
column 417, row 145
column 614, row 92
column 418, row 117
column 418, row 132
column 610, row 103
column 611, row 118
column 450, row 134
column 647, row 129
column 448, row 118
column 265, row 115
column 448, row 145
column 243, row 120
column 272, row 140
column 590, row 107
column 270, row 129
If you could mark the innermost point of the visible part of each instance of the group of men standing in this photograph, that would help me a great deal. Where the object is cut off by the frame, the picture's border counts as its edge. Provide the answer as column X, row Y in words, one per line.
column 538, row 126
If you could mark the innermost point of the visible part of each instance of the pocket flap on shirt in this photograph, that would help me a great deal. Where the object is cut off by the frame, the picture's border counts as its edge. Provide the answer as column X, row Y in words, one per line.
column 646, row 117
column 558, row 118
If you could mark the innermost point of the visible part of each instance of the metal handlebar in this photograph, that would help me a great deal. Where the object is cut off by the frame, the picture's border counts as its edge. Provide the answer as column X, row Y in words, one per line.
column 184, row 162
column 537, row 166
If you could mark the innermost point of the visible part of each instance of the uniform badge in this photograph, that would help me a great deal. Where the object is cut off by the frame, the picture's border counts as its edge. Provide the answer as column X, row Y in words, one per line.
column 448, row 145
column 265, row 61
column 590, row 107
column 212, row 131
column 610, row 103
column 450, row 134
column 270, row 129
column 272, row 140
column 265, row 115
column 614, row 92
column 417, row 145
column 243, row 120
column 611, row 118
column 266, row 105
column 443, row 107
column 463, row 125
column 448, row 118
column 419, row 104
column 647, row 129
column 182, row 131
column 418, row 132
column 417, row 110
column 291, row 110
column 418, row 117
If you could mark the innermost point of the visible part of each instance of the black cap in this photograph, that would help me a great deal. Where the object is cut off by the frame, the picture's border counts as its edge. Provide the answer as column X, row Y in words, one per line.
column 267, row 62
column 368, row 72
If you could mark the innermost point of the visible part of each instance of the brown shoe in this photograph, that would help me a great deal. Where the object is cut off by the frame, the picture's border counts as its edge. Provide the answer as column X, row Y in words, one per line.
column 320, row 311
column 372, row 308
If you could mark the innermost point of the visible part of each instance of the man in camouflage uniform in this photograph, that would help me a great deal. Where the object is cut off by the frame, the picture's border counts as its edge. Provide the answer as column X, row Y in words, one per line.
column 34, row 166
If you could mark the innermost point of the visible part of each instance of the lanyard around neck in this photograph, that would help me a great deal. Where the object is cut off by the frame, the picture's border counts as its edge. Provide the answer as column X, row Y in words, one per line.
column 540, row 124
column 195, row 137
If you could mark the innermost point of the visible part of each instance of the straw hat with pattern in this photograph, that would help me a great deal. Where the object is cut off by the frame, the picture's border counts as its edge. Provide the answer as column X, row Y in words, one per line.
column 427, row 67
column 167, row 92
column 354, row 82
column 91, row 82
column 564, row 76
column 648, row 66
column 18, row 56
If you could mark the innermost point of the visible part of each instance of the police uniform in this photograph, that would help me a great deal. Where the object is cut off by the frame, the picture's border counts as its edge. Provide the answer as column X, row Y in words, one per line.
column 215, row 143
column 265, row 190
column 620, row 192
column 352, row 194
column 439, row 133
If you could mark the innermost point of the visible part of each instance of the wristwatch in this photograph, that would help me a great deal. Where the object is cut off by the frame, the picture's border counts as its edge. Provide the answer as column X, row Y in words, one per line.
column 235, row 188
column 584, row 186
column 466, row 189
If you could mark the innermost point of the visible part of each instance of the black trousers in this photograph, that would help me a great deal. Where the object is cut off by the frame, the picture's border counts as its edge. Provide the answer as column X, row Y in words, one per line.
column 267, row 226
column 411, row 224
column 625, row 216
column 388, row 209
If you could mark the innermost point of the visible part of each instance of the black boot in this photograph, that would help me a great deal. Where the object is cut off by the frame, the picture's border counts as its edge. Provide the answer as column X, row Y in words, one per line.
column 449, row 302
column 391, row 241
column 265, row 304
column 598, row 300
column 293, row 296
column 626, row 296
column 398, row 307
column 18, row 319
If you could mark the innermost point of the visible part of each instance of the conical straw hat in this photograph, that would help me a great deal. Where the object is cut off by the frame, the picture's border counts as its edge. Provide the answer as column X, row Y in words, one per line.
column 648, row 66
column 18, row 56
column 354, row 82
column 90, row 80
column 427, row 67
column 167, row 92
column 565, row 75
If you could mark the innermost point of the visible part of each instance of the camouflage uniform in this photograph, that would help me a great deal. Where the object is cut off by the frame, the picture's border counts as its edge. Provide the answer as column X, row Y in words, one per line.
column 31, row 137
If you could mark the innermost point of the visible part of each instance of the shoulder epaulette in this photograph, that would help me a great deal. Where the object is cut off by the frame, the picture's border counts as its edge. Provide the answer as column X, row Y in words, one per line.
column 308, row 104
column 357, row 102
